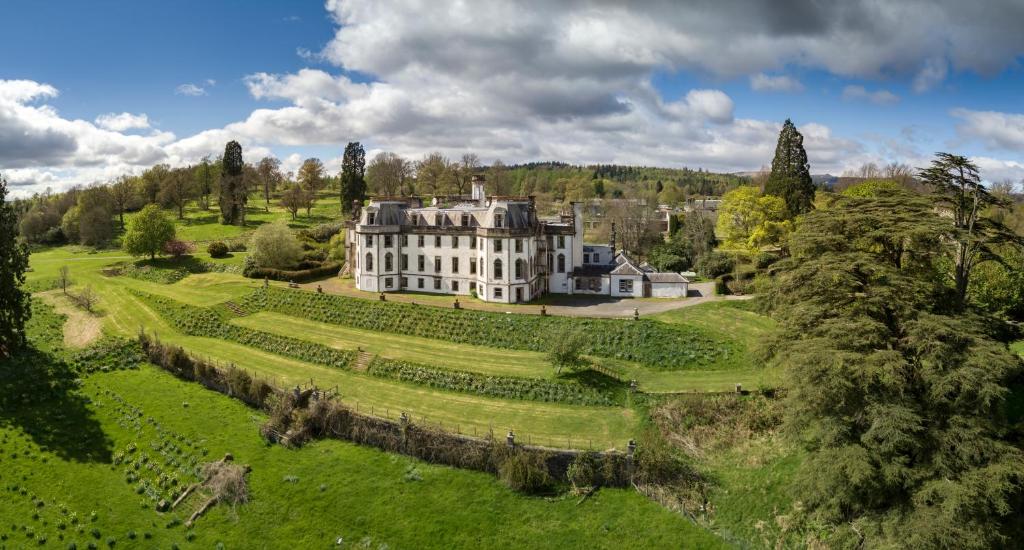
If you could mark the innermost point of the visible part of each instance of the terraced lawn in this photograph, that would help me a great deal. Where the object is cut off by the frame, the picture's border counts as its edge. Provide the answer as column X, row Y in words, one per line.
column 410, row 348
column 123, row 313
column 493, row 361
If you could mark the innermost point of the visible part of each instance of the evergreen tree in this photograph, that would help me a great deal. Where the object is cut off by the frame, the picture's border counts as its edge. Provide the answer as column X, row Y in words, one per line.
column 899, row 398
column 353, row 175
column 959, row 191
column 14, row 300
column 232, row 186
column 790, row 178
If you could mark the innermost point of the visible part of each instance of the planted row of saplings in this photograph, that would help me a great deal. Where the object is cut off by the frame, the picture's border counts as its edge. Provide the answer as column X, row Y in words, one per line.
column 198, row 321
column 505, row 387
column 295, row 417
column 652, row 343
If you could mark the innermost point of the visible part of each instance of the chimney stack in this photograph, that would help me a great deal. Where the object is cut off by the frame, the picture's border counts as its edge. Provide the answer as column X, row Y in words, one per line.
column 479, row 194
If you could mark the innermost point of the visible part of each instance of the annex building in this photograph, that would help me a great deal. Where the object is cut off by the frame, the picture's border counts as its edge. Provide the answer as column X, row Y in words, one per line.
column 495, row 248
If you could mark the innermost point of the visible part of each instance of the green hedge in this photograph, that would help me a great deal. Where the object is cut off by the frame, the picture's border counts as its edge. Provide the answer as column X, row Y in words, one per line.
column 505, row 387
column 327, row 269
column 652, row 343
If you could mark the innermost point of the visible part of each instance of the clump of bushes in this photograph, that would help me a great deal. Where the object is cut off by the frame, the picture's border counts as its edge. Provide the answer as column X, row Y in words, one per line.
column 177, row 248
column 525, row 472
column 713, row 264
column 323, row 232
column 217, row 249
column 316, row 270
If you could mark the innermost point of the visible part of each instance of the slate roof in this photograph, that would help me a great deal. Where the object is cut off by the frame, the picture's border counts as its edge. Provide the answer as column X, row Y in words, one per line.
column 665, row 278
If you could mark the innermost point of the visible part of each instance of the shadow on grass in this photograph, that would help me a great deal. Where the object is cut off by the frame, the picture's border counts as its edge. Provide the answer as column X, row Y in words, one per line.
column 598, row 381
column 38, row 394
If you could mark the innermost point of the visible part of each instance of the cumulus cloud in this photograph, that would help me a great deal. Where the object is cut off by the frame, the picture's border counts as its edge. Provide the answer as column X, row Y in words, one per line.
column 529, row 79
column 123, row 121
column 995, row 129
column 761, row 82
column 878, row 97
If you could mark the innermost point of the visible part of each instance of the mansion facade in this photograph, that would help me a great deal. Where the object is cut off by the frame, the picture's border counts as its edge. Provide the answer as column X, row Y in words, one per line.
column 495, row 248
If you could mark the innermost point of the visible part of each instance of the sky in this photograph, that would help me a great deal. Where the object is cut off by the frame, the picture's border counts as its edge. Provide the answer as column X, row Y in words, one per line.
column 93, row 90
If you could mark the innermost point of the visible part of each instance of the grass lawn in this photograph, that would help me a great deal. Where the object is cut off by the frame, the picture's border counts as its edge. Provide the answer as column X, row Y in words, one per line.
column 204, row 225
column 123, row 313
column 410, row 348
column 491, row 360
column 61, row 485
column 1018, row 347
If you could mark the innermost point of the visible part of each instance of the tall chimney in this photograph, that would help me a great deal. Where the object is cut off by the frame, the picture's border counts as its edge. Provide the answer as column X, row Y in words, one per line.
column 611, row 239
column 479, row 193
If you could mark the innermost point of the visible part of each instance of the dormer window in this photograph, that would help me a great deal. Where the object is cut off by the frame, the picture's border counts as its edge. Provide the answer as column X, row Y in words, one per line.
column 499, row 220
column 370, row 216
column 465, row 220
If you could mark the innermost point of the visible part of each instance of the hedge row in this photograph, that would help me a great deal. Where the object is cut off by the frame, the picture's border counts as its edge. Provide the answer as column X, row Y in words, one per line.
column 327, row 269
column 297, row 417
column 652, row 343
column 505, row 387
column 198, row 321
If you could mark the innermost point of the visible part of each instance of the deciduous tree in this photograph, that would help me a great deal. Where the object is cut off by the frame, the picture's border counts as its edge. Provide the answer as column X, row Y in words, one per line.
column 433, row 174
column 122, row 194
column 388, row 174
column 274, row 245
column 311, row 174
column 147, row 232
column 177, row 189
column 269, row 170
column 749, row 220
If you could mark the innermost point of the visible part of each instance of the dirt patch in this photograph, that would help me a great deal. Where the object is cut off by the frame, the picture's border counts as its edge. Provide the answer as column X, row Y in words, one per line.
column 81, row 328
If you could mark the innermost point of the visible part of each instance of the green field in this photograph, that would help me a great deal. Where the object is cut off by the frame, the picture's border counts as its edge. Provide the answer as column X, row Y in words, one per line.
column 67, row 451
column 367, row 497
column 204, row 225
column 123, row 313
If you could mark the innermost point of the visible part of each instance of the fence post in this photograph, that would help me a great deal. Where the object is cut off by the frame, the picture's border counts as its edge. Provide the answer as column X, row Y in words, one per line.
column 630, row 449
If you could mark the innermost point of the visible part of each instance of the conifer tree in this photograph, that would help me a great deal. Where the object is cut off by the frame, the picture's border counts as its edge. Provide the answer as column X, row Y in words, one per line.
column 232, row 186
column 353, row 172
column 790, row 178
column 14, row 300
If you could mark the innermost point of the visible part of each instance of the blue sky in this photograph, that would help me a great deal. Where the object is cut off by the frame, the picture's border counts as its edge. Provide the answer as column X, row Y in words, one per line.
column 700, row 83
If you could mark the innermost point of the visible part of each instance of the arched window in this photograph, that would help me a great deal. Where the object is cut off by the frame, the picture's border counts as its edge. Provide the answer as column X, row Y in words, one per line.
column 519, row 269
column 388, row 262
column 497, row 269
column 561, row 263
column 369, row 262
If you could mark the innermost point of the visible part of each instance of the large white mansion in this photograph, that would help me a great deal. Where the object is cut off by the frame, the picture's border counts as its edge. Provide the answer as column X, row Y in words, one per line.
column 493, row 247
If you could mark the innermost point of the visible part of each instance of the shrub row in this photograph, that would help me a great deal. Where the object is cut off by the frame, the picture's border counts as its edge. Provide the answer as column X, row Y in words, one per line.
column 315, row 270
column 652, row 343
column 198, row 321
column 299, row 416
column 506, row 387
column 228, row 380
